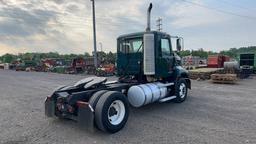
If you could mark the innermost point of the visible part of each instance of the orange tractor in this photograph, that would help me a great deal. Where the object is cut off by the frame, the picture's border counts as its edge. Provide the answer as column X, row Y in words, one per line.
column 105, row 70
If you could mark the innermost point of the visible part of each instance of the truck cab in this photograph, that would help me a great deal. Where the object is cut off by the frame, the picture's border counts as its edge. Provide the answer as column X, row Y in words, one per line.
column 146, row 54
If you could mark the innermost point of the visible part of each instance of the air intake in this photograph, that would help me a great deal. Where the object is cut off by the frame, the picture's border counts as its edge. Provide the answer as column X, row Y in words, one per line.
column 149, row 54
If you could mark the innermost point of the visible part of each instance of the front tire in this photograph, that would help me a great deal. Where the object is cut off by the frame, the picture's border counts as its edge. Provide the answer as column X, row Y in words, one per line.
column 181, row 90
column 112, row 111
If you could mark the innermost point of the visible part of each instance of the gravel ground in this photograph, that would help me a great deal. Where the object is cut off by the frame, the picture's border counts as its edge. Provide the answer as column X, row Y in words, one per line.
column 213, row 113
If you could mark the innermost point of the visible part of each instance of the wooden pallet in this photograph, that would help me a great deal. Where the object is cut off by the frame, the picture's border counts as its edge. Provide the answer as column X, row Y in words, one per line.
column 203, row 73
column 224, row 78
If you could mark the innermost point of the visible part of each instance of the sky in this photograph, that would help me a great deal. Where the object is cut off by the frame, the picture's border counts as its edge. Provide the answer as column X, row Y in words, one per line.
column 65, row 26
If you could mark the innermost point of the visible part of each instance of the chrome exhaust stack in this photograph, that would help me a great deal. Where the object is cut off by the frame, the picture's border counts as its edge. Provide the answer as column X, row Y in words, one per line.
column 148, row 17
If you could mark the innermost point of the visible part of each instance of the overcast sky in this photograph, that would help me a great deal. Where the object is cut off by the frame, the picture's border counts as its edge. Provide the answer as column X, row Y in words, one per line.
column 65, row 26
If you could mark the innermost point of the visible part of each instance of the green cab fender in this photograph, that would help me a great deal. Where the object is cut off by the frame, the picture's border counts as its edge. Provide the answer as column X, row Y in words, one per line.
column 180, row 72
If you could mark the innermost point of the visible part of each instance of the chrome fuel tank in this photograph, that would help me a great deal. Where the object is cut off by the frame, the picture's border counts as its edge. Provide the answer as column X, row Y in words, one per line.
column 143, row 94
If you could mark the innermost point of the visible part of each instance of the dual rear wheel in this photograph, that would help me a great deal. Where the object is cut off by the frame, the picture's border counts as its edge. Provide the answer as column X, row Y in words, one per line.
column 111, row 110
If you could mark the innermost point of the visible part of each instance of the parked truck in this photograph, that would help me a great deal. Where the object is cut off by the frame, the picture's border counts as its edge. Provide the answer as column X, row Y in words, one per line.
column 247, row 62
column 217, row 61
column 147, row 72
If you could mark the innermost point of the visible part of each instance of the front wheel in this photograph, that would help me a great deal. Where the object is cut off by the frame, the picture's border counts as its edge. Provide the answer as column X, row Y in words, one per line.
column 112, row 111
column 181, row 90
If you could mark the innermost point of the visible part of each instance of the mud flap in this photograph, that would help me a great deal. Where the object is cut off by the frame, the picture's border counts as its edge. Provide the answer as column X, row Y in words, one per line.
column 86, row 118
column 49, row 107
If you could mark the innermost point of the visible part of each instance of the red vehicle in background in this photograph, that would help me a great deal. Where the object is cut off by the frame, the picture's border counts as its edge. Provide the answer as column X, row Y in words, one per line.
column 78, row 64
column 217, row 61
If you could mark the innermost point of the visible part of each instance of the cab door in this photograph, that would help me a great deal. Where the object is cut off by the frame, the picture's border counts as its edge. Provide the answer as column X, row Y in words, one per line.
column 165, row 57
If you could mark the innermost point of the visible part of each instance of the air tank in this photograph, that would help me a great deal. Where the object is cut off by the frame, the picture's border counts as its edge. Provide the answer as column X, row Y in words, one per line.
column 143, row 94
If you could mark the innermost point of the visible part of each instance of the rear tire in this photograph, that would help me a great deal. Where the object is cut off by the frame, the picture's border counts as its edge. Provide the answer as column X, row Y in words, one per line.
column 95, row 98
column 112, row 111
column 181, row 90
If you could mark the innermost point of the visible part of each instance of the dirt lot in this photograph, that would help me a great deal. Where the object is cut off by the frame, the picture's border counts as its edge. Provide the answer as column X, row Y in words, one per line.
column 213, row 113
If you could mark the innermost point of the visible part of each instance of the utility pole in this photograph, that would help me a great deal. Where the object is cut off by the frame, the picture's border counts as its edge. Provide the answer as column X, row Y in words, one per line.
column 159, row 24
column 94, row 34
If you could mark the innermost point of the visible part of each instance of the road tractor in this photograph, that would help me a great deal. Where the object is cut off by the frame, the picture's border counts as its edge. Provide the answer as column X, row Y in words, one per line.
column 148, row 71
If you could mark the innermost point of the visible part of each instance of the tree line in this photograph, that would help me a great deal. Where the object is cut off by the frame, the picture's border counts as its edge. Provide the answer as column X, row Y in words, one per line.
column 8, row 58
column 232, row 52
column 110, row 57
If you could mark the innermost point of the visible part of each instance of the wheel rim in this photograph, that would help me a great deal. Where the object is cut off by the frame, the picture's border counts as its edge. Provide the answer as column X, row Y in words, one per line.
column 116, row 112
column 182, row 90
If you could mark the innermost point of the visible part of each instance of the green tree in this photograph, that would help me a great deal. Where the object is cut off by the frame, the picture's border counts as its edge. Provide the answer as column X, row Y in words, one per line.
column 8, row 58
column 201, row 53
column 184, row 53
column 86, row 54
column 111, row 57
column 53, row 55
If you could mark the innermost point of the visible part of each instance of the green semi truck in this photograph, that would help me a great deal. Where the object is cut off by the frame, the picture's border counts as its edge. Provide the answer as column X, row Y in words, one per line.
column 247, row 62
column 148, row 71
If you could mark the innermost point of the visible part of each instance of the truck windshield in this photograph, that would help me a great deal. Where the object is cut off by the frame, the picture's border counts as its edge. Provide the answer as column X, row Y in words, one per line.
column 131, row 45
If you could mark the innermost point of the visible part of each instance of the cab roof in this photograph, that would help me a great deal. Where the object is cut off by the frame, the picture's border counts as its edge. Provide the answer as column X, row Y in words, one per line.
column 138, row 34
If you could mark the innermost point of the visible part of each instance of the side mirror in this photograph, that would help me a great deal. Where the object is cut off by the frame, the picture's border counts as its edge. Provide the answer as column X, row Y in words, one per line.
column 178, row 44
